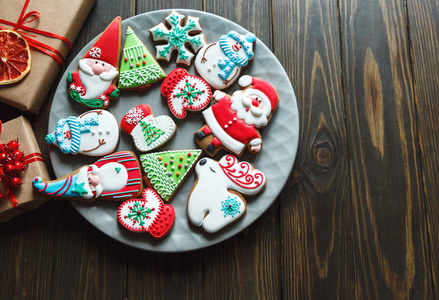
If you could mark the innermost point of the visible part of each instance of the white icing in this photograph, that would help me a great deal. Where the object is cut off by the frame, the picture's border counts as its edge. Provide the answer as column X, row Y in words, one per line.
column 211, row 188
column 110, row 179
column 227, row 141
column 165, row 123
column 241, row 103
column 95, row 85
column 245, row 81
column 151, row 200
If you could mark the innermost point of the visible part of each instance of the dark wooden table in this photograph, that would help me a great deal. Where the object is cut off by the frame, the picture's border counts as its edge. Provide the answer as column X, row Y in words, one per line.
column 359, row 217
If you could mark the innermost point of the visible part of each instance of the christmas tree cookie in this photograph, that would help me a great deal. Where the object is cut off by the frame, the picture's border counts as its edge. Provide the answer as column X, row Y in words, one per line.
column 138, row 69
column 177, row 37
column 166, row 171
column 185, row 92
column 147, row 214
column 148, row 132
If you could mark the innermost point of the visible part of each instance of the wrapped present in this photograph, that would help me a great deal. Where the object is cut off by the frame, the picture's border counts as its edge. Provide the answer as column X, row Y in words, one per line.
column 51, row 29
column 18, row 195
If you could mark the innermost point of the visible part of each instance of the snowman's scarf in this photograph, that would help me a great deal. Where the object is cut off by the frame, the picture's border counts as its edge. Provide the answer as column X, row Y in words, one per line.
column 232, row 58
column 77, row 127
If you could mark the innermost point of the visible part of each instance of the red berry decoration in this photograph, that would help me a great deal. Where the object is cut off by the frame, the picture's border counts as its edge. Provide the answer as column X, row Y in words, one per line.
column 15, row 183
column 13, row 146
column 3, row 158
column 9, row 169
column 18, row 155
column 3, row 148
column 18, row 165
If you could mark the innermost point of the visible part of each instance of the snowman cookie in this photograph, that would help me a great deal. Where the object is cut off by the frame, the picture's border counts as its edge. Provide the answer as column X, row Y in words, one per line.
column 148, row 132
column 177, row 37
column 147, row 214
column 94, row 133
column 220, row 63
column 185, row 92
column 114, row 177
column 217, row 198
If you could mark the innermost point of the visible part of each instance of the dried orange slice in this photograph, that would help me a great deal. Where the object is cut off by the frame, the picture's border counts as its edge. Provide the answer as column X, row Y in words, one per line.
column 15, row 58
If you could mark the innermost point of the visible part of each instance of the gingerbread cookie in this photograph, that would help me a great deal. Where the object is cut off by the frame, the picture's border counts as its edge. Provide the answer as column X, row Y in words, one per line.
column 216, row 200
column 166, row 171
column 185, row 92
column 138, row 69
column 232, row 123
column 148, row 132
column 147, row 214
column 220, row 63
column 114, row 177
column 94, row 133
column 93, row 84
column 177, row 37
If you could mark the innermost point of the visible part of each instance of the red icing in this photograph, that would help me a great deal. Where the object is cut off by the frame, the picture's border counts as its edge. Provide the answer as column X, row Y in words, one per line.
column 239, row 130
column 126, row 127
column 241, row 172
column 267, row 89
column 171, row 81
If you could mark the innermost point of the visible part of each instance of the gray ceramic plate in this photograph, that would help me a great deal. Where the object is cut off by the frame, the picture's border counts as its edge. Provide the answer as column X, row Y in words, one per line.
column 275, row 160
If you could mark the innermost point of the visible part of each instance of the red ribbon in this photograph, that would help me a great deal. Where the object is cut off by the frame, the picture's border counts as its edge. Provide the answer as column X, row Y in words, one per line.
column 46, row 49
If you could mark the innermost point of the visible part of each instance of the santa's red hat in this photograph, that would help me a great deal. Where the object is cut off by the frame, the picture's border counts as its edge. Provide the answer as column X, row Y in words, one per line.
column 261, row 85
column 107, row 47
column 134, row 116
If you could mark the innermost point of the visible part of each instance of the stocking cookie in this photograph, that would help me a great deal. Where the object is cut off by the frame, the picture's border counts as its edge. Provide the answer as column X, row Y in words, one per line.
column 94, row 133
column 178, row 37
column 232, row 123
column 148, row 132
column 138, row 69
column 166, row 171
column 185, row 92
column 220, row 63
column 114, row 177
column 216, row 200
column 93, row 84
column 147, row 214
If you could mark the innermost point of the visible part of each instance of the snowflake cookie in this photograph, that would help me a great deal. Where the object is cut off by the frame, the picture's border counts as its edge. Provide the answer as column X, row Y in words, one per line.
column 185, row 92
column 216, row 200
column 147, row 214
column 177, row 37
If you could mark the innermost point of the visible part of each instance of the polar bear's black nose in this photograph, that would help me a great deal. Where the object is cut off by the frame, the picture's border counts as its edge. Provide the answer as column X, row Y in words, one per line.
column 203, row 161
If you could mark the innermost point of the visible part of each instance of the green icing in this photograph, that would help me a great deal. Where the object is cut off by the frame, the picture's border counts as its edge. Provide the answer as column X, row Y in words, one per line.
column 150, row 132
column 158, row 165
column 144, row 74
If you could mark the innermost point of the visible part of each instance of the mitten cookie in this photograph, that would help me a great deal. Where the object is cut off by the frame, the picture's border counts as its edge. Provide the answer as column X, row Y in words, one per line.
column 114, row 177
column 185, row 92
column 216, row 200
column 147, row 214
column 148, row 132
column 221, row 63
column 232, row 123
column 166, row 171
column 93, row 84
column 94, row 133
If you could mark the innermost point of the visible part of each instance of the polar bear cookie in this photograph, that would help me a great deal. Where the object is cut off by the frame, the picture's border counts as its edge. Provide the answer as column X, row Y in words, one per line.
column 148, row 132
column 185, row 92
column 216, row 200
column 94, row 133
column 147, row 214
column 114, row 177
column 177, row 37
column 220, row 63
column 233, row 122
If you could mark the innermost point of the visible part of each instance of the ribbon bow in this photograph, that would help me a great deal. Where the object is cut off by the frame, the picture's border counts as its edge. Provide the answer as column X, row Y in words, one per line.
column 46, row 49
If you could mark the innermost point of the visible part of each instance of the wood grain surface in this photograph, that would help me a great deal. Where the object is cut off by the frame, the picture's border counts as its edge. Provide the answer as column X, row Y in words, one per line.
column 358, row 217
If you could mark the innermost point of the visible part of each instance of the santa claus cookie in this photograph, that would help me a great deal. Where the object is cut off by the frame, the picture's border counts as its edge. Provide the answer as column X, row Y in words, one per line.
column 138, row 69
column 148, row 132
column 147, row 214
column 216, row 200
column 185, row 92
column 177, row 37
column 232, row 123
column 166, row 171
column 114, row 177
column 220, row 63
column 94, row 133
column 93, row 84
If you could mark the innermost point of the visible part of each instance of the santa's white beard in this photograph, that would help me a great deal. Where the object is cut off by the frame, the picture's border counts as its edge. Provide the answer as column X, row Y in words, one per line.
column 250, row 114
column 95, row 85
